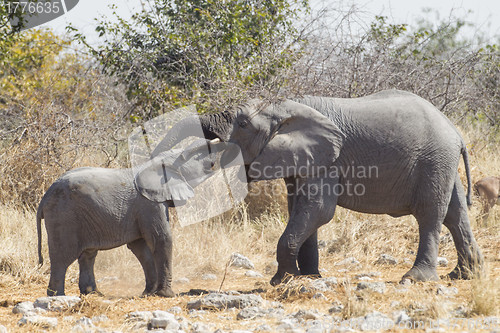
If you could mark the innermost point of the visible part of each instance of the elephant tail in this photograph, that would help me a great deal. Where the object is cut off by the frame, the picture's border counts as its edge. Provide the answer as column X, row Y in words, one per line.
column 39, row 217
column 465, row 156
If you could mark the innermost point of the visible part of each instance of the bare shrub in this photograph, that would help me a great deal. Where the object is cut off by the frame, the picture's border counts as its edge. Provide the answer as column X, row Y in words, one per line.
column 51, row 138
column 346, row 58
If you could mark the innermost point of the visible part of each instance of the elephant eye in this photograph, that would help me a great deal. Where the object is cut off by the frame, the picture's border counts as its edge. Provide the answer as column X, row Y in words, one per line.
column 243, row 123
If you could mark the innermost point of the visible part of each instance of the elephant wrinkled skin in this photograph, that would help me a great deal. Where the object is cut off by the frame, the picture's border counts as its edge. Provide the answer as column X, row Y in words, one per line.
column 409, row 152
column 91, row 209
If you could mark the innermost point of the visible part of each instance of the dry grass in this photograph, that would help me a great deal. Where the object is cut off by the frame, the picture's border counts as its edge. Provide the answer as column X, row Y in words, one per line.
column 206, row 247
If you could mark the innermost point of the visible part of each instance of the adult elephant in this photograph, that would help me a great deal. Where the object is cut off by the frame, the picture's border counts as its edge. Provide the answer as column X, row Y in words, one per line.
column 395, row 151
column 91, row 209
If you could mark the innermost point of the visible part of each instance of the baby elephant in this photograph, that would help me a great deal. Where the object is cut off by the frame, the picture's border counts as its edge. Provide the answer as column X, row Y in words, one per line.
column 488, row 189
column 91, row 209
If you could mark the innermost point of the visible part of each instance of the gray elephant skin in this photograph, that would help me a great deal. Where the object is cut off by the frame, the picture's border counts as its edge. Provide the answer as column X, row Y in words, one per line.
column 91, row 209
column 414, row 149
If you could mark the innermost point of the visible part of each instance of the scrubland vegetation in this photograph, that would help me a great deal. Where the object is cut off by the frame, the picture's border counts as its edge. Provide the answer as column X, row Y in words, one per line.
column 65, row 103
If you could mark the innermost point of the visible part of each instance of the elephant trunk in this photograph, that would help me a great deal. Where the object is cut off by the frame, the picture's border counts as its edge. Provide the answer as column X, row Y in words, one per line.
column 213, row 126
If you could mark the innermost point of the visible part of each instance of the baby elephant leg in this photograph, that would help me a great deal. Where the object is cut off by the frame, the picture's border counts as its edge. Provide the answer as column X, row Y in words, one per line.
column 86, row 281
column 145, row 257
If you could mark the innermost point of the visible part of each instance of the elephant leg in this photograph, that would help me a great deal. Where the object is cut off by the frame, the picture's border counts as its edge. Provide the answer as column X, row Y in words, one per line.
column 429, row 227
column 159, row 241
column 140, row 249
column 57, row 277
column 308, row 258
column 314, row 205
column 163, row 261
column 62, row 254
column 469, row 255
column 86, row 281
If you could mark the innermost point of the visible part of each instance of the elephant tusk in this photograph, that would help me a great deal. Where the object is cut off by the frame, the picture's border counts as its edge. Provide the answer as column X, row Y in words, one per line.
column 214, row 141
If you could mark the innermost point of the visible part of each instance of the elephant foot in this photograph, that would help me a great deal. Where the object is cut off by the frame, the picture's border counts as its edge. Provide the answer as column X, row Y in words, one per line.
column 93, row 292
column 312, row 276
column 463, row 273
column 51, row 292
column 148, row 291
column 165, row 292
column 420, row 274
column 282, row 278
column 90, row 290
column 469, row 267
column 275, row 280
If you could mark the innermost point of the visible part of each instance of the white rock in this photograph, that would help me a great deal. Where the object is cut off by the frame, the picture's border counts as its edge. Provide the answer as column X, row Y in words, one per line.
column 209, row 276
column 385, row 259
column 85, row 322
column 330, row 281
column 446, row 291
column 307, row 315
column 263, row 328
column 200, row 327
column 287, row 324
column 99, row 319
column 56, row 303
column 374, row 321
column 377, row 321
column 253, row 274
column 139, row 316
column 164, row 320
column 321, row 285
column 347, row 261
column 401, row 317
column 82, row 329
column 23, row 307
column 162, row 314
column 320, row 326
column 442, row 261
column 253, row 312
column 175, row 310
column 182, row 280
column 378, row 287
column 3, row 329
column 44, row 322
column 218, row 301
column 239, row 260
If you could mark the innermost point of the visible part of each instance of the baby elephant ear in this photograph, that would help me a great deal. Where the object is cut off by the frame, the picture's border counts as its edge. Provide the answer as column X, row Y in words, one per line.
column 304, row 143
column 157, row 181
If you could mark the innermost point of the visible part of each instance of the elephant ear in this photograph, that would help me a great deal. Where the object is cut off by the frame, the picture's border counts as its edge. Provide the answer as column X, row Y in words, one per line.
column 304, row 143
column 157, row 181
